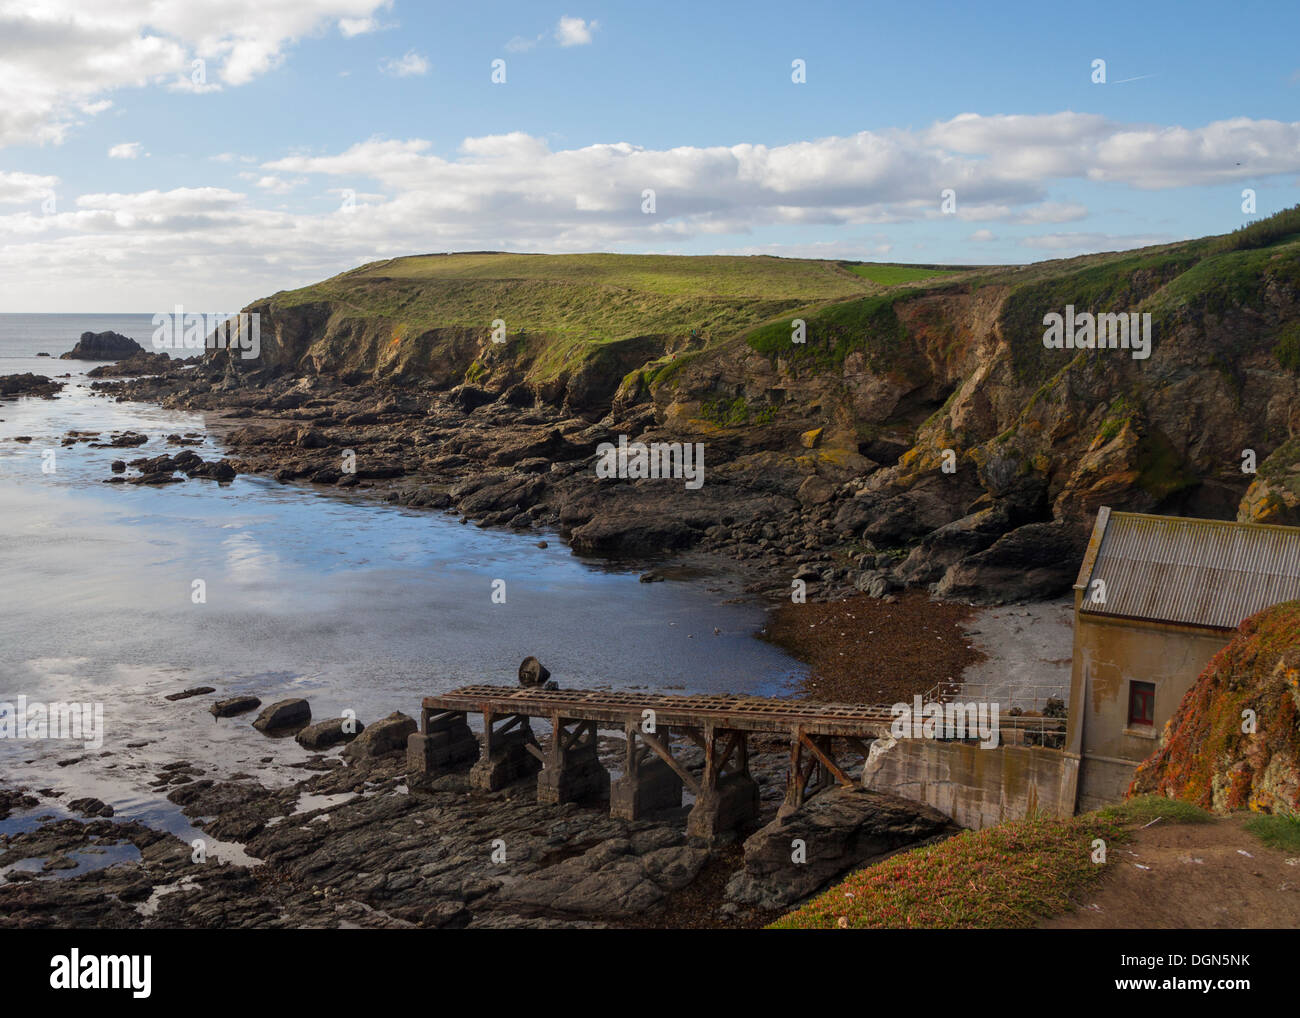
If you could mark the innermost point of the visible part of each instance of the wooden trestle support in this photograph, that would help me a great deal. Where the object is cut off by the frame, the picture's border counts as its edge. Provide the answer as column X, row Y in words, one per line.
column 726, row 796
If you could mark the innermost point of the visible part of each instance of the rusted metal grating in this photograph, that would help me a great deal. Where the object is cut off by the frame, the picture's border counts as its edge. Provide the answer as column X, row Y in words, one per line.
column 1211, row 573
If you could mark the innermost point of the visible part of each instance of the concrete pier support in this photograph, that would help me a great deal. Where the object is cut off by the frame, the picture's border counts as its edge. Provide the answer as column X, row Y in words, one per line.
column 444, row 743
column 727, row 797
column 572, row 771
column 648, row 784
column 720, row 811
column 509, row 753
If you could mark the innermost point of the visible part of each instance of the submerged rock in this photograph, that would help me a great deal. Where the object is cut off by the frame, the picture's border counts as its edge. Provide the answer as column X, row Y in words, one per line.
column 234, row 705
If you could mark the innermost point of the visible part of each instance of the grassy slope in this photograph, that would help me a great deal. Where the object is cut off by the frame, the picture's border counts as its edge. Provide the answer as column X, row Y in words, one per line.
column 597, row 297
column 1012, row 875
column 575, row 303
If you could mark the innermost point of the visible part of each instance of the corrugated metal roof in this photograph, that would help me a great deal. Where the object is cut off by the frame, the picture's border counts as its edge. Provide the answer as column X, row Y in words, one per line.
column 1196, row 572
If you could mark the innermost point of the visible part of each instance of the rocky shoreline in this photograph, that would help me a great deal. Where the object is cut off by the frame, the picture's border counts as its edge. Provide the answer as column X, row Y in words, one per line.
column 509, row 459
column 352, row 844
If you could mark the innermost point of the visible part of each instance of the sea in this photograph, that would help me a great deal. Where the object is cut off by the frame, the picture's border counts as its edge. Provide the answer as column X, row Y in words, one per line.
column 118, row 595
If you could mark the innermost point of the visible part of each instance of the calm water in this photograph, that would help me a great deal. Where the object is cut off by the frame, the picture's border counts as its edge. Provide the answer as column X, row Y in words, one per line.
column 352, row 604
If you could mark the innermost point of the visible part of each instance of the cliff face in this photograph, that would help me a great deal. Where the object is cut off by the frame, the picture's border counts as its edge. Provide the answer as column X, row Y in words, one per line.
column 1234, row 742
column 931, row 417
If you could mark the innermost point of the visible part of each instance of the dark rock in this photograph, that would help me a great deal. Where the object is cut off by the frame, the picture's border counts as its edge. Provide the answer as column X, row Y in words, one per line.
column 840, row 829
column 91, row 807
column 470, row 397
column 1033, row 562
column 324, row 734
column 102, row 346
column 233, row 706
column 283, row 714
column 28, row 384
column 387, row 735
column 187, row 693
column 127, row 440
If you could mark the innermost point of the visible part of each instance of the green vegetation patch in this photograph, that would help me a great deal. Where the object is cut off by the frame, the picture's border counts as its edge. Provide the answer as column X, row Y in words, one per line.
column 1287, row 350
column 1232, row 279
column 1276, row 830
column 1263, row 233
column 835, row 330
column 1119, row 285
column 1011, row 875
column 1143, row 809
column 735, row 413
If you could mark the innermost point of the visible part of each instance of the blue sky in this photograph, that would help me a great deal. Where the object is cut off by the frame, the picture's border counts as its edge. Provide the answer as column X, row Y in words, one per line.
column 330, row 132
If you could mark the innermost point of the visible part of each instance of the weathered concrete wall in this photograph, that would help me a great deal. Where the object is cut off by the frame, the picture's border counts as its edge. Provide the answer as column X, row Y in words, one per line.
column 976, row 787
column 1108, row 655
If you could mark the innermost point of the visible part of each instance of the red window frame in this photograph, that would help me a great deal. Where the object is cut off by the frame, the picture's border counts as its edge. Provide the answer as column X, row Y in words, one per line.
column 1141, row 703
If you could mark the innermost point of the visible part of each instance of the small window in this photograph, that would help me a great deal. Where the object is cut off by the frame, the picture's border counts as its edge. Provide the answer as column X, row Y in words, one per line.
column 1141, row 703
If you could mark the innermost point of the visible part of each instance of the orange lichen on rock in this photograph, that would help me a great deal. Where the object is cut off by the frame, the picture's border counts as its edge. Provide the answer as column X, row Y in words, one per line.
column 1234, row 742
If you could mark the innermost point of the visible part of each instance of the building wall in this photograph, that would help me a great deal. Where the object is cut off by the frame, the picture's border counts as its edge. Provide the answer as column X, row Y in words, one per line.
column 976, row 787
column 1109, row 653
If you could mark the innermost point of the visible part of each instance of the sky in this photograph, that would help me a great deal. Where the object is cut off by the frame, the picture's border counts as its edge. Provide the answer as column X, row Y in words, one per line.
column 207, row 154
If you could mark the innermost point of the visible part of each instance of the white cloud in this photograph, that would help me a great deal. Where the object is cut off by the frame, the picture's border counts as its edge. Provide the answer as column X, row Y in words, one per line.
column 350, row 28
column 574, row 31
column 271, row 183
column 60, row 58
column 409, row 65
column 515, row 191
column 519, row 44
column 21, row 188
column 981, row 236
column 126, row 150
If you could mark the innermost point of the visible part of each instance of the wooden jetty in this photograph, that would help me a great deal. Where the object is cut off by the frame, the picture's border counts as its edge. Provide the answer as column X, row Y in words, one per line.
column 569, row 770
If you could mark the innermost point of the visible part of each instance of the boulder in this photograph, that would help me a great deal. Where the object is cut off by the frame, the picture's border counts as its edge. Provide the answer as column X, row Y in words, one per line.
column 324, row 734
column 815, row 491
column 840, row 829
column 283, row 714
column 1031, row 563
column 388, row 735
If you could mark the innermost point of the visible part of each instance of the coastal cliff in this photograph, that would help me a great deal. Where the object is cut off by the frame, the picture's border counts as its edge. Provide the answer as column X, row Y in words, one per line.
column 915, row 431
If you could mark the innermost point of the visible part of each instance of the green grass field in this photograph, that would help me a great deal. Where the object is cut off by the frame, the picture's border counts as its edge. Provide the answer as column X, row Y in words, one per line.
column 895, row 275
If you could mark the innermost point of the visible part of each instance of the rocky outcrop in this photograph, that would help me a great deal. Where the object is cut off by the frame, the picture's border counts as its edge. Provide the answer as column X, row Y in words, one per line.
column 103, row 346
column 142, row 363
column 28, row 384
column 795, row 856
column 1274, row 495
column 1234, row 742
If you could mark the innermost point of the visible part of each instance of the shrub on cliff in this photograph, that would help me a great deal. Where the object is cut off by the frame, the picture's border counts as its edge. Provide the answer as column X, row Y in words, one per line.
column 1234, row 742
